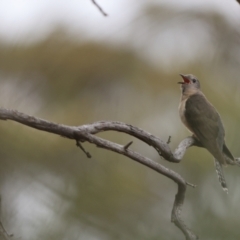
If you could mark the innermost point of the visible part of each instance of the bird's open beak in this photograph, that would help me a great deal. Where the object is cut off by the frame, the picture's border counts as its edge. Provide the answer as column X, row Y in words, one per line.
column 185, row 79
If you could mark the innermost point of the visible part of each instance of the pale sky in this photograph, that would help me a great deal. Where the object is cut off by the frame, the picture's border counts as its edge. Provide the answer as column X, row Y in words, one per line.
column 28, row 20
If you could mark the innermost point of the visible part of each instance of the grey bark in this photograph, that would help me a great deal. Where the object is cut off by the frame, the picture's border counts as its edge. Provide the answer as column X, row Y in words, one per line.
column 88, row 133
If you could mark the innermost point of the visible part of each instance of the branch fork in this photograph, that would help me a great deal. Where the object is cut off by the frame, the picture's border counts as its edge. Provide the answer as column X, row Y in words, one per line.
column 88, row 133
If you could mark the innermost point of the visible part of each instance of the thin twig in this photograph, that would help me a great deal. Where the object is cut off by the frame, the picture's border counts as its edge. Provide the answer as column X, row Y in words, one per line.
column 169, row 139
column 87, row 133
column 99, row 8
column 191, row 185
column 128, row 145
column 82, row 148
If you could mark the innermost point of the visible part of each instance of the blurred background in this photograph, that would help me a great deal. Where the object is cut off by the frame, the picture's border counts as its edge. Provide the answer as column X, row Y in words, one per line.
column 65, row 62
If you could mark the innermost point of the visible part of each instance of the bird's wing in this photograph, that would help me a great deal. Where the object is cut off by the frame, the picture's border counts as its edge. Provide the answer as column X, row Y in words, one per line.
column 205, row 122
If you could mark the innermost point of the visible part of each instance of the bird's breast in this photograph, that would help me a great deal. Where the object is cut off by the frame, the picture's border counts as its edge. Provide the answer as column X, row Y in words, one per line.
column 181, row 109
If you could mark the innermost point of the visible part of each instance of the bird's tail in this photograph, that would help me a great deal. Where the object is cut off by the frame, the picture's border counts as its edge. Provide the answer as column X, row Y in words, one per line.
column 220, row 173
column 227, row 152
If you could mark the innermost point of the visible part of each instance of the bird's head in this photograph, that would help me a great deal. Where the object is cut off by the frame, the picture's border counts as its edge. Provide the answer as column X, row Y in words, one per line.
column 190, row 83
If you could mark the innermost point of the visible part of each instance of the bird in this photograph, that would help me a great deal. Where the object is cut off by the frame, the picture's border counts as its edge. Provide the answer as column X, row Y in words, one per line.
column 203, row 120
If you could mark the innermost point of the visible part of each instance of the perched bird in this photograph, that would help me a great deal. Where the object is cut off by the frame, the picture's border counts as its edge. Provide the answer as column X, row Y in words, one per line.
column 203, row 120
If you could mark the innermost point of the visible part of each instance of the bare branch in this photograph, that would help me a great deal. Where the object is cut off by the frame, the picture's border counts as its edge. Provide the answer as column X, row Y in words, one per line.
column 99, row 8
column 87, row 133
column 162, row 147
column 182, row 184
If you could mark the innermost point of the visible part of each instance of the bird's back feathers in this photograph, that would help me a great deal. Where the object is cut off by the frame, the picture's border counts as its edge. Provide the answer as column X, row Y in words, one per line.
column 205, row 123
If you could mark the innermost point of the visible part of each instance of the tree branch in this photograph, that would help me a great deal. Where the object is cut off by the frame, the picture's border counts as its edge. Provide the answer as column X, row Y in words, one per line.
column 99, row 8
column 87, row 133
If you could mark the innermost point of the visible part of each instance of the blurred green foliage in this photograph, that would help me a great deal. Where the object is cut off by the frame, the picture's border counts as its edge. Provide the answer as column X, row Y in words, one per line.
column 50, row 190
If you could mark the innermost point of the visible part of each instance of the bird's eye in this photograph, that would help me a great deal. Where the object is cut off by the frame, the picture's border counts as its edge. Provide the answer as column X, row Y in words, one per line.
column 194, row 80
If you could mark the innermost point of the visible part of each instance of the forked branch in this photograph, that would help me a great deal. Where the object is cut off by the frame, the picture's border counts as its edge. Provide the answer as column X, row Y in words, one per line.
column 87, row 133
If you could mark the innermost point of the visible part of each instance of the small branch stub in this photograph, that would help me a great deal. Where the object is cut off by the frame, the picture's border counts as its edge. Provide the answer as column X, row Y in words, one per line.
column 191, row 185
column 128, row 145
column 82, row 148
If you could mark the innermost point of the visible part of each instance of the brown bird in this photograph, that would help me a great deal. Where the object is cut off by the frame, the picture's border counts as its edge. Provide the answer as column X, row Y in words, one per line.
column 203, row 120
